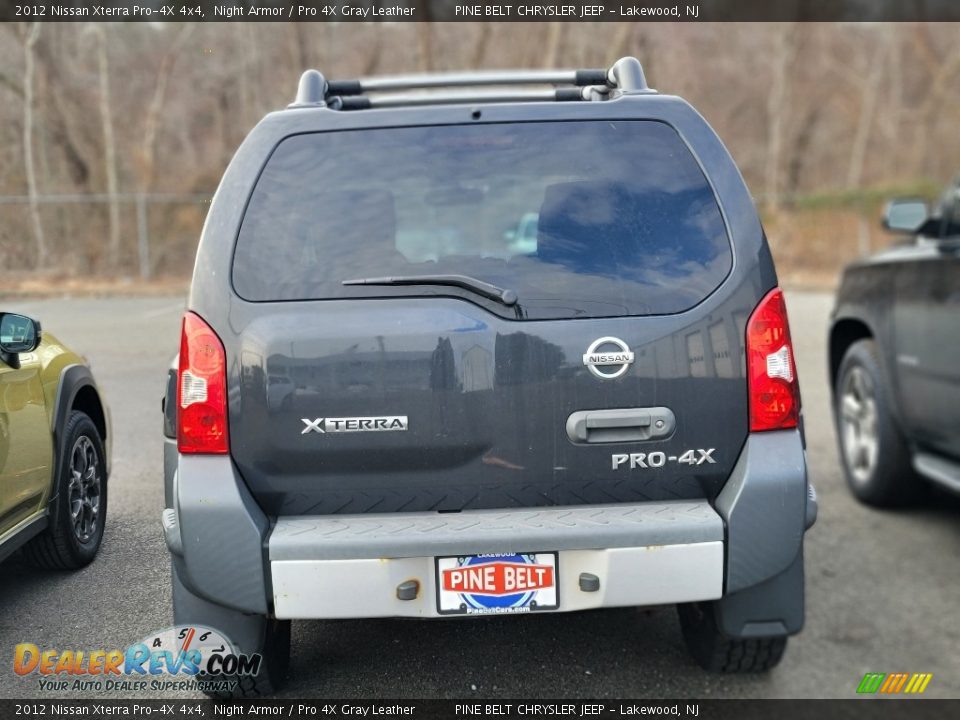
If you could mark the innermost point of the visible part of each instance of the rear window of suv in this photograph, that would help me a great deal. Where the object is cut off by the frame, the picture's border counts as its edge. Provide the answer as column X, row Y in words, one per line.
column 579, row 218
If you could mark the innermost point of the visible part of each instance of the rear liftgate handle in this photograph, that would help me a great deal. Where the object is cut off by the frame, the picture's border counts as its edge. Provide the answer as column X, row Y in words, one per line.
column 620, row 425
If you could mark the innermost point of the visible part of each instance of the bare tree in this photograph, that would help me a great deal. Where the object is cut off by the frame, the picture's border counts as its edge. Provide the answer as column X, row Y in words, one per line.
column 247, row 40
column 777, row 110
column 894, row 103
column 868, row 108
column 941, row 86
column 620, row 42
column 552, row 49
column 152, row 123
column 10, row 84
column 483, row 40
column 425, row 37
column 109, row 144
column 62, row 124
column 33, row 34
column 372, row 62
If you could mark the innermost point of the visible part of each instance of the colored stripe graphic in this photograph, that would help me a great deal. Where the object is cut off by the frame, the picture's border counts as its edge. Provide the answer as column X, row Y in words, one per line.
column 900, row 683
column 871, row 683
column 894, row 683
column 889, row 683
column 919, row 681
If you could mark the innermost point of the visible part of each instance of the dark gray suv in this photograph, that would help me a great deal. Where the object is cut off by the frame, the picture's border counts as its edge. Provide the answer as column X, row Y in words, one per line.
column 893, row 357
column 387, row 404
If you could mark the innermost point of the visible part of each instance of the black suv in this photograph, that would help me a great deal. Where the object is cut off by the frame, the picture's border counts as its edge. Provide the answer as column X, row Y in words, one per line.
column 894, row 364
column 389, row 401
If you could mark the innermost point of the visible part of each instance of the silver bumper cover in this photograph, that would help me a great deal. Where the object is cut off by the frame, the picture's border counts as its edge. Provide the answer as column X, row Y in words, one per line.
column 354, row 566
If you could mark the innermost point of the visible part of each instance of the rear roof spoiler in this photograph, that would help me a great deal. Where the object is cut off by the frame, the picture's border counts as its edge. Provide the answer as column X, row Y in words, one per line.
column 624, row 76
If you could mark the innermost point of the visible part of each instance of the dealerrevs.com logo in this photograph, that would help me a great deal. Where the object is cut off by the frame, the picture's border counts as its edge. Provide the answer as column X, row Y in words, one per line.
column 185, row 657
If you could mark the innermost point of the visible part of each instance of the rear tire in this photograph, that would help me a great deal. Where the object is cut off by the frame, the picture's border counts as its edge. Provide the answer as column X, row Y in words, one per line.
column 275, row 652
column 875, row 455
column 73, row 537
column 715, row 652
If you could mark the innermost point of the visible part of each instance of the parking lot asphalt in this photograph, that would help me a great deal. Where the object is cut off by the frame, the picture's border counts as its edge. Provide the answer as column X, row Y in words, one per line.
column 882, row 587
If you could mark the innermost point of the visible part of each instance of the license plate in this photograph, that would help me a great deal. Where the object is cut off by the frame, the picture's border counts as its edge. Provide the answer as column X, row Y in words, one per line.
column 497, row 583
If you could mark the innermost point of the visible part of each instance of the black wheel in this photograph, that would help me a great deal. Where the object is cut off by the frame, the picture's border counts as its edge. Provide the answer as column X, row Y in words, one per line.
column 875, row 455
column 73, row 537
column 275, row 661
column 716, row 652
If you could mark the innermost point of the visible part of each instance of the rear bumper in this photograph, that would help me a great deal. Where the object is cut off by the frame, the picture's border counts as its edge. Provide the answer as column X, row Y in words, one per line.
column 645, row 575
column 744, row 551
column 354, row 566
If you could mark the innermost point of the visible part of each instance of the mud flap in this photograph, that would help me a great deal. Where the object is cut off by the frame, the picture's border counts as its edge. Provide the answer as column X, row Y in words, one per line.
column 245, row 631
column 772, row 608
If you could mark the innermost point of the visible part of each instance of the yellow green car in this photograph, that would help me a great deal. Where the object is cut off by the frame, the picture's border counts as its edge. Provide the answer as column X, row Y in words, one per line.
column 54, row 449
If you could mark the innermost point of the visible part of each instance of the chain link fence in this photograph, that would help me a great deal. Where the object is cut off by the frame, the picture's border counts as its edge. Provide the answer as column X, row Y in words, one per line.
column 158, row 233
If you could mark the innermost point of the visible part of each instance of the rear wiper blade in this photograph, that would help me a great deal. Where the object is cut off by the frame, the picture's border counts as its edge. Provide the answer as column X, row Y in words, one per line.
column 501, row 295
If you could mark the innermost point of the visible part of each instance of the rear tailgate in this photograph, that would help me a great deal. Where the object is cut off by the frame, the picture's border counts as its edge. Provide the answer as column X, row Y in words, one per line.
column 368, row 398
column 388, row 405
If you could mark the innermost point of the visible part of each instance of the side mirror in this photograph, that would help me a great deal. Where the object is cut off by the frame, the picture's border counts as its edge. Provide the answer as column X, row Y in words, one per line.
column 905, row 215
column 18, row 334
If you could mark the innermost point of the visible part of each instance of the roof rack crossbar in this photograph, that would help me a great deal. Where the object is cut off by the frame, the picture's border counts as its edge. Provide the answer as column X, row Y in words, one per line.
column 626, row 75
column 364, row 102
column 389, row 83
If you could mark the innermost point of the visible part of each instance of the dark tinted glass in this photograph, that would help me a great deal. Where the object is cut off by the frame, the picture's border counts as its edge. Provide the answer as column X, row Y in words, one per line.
column 17, row 333
column 581, row 219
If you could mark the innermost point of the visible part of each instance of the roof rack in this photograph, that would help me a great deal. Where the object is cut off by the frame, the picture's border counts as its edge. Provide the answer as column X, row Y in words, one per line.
column 623, row 77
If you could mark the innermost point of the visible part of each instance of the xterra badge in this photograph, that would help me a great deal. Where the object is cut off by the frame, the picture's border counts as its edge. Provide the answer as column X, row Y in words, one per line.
column 610, row 353
column 354, row 424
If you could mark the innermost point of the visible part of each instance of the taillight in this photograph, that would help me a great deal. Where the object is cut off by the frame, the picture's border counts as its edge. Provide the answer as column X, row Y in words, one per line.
column 201, row 390
column 771, row 370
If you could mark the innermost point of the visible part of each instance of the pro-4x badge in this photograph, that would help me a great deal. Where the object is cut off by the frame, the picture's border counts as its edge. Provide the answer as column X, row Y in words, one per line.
column 657, row 459
column 354, row 424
